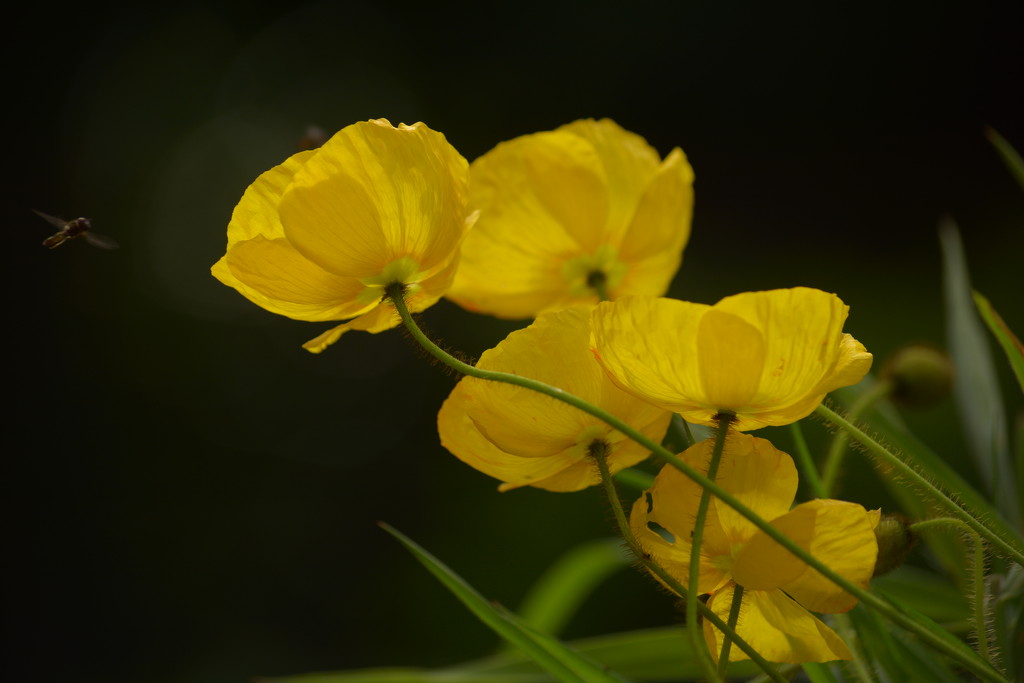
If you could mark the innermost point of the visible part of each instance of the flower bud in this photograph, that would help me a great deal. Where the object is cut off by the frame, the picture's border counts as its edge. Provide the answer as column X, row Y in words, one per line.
column 920, row 375
column 895, row 541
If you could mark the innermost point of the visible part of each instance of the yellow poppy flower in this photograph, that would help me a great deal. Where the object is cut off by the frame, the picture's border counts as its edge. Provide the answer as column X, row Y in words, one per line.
column 525, row 438
column 778, row 588
column 564, row 209
column 320, row 236
column 767, row 357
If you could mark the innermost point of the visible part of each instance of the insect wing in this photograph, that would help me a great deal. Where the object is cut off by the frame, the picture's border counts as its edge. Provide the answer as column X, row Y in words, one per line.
column 101, row 241
column 52, row 220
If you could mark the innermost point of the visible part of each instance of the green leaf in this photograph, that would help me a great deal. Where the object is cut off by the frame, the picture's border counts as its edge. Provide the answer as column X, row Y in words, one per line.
column 896, row 655
column 1009, row 155
column 558, row 593
column 925, row 592
column 407, row 675
column 976, row 388
column 819, row 673
column 562, row 661
column 942, row 633
column 653, row 655
column 1012, row 347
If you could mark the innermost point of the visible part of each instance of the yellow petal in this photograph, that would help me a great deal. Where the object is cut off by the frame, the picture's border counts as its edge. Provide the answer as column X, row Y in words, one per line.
column 381, row 317
column 763, row 564
column 807, row 354
column 512, row 259
column 373, row 194
column 837, row 533
column 778, row 628
column 761, row 476
column 627, row 165
column 320, row 236
column 256, row 212
column 663, row 519
column 273, row 275
column 844, row 539
column 504, row 430
column 731, row 355
column 648, row 347
column 555, row 202
column 461, row 436
column 660, row 225
column 768, row 357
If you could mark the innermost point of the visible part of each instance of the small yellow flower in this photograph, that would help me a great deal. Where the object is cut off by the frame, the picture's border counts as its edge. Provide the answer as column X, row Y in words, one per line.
column 778, row 588
column 767, row 357
column 525, row 438
column 570, row 212
column 320, row 236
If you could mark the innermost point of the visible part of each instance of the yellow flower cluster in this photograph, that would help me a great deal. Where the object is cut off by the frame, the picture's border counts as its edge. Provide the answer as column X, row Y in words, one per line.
column 582, row 228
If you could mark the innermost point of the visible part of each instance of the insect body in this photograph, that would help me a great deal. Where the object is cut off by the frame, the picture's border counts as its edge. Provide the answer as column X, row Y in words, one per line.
column 80, row 227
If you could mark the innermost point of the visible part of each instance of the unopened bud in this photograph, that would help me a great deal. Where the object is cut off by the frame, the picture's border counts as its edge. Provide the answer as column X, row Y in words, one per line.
column 920, row 376
column 895, row 541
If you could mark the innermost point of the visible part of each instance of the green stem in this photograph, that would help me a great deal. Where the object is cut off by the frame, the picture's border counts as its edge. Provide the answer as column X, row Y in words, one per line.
column 891, row 612
column 806, row 462
column 734, row 617
column 977, row 578
column 608, row 483
column 937, row 495
column 697, row 537
column 837, row 451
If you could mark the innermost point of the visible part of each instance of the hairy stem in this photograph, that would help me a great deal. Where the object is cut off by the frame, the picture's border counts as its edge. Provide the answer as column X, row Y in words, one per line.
column 937, row 495
column 697, row 539
column 837, row 451
column 977, row 573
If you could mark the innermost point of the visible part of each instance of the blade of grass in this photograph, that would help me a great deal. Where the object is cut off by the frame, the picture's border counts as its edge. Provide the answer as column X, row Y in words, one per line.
column 563, row 662
column 656, row 655
column 976, row 388
column 1012, row 347
column 558, row 593
column 1009, row 155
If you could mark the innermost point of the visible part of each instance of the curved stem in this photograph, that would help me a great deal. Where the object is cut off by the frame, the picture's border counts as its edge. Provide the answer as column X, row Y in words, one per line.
column 977, row 577
column 837, row 451
column 806, row 462
column 938, row 496
column 979, row 667
column 697, row 538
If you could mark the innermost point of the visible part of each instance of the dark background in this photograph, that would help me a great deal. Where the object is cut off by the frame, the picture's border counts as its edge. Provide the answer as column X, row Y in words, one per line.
column 193, row 497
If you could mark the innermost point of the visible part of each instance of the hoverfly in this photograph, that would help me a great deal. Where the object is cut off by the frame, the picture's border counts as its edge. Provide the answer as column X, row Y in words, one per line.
column 69, row 230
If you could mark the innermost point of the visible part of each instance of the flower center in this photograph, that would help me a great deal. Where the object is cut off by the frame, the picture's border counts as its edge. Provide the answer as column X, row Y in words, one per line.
column 596, row 273
column 405, row 270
